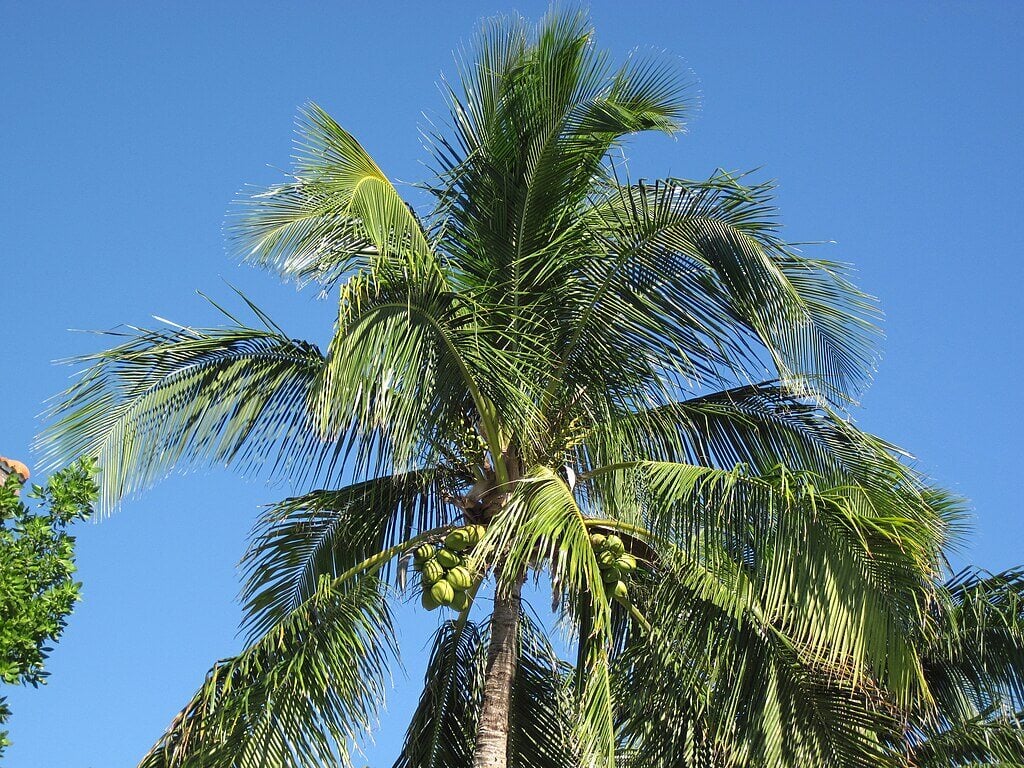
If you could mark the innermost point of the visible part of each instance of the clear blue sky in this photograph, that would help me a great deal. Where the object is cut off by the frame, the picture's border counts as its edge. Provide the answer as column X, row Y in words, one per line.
column 893, row 128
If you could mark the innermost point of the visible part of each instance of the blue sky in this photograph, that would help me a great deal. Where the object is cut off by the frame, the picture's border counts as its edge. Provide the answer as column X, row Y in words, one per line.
column 892, row 128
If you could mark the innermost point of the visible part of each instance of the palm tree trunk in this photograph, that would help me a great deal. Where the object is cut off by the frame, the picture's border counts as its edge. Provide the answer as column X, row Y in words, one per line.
column 491, row 749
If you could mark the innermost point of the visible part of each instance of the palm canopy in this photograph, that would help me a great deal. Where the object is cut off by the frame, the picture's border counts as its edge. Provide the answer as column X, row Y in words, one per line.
column 560, row 355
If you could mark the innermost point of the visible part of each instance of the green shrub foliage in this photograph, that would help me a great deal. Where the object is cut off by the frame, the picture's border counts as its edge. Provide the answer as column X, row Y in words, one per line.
column 37, row 563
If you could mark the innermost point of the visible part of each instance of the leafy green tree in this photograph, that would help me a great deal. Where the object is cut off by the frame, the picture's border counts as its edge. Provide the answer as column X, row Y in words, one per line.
column 37, row 563
column 634, row 393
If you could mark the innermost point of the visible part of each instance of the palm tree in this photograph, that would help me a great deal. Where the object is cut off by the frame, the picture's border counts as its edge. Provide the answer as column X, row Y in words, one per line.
column 633, row 394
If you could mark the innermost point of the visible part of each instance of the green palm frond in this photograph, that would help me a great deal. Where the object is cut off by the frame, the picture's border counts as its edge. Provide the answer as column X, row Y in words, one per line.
column 974, row 663
column 297, row 696
column 338, row 214
column 975, row 657
column 539, row 112
column 176, row 395
column 542, row 707
column 706, row 261
column 542, row 523
column 443, row 728
column 322, row 534
column 761, row 425
column 844, row 576
column 409, row 363
column 985, row 740
column 726, row 684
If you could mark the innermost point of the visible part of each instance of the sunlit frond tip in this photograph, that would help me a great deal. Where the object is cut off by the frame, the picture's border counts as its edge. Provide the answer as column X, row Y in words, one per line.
column 337, row 213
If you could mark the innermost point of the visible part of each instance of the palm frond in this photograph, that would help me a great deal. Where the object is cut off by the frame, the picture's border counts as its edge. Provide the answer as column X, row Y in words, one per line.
column 726, row 684
column 298, row 696
column 409, row 363
column 760, row 425
column 843, row 570
column 541, row 710
column 443, row 728
column 175, row 395
column 975, row 658
column 539, row 112
column 338, row 215
column 983, row 740
column 324, row 533
column 542, row 522
column 716, row 284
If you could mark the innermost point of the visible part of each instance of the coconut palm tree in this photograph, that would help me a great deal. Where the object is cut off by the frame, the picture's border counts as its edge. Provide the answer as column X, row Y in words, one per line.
column 631, row 395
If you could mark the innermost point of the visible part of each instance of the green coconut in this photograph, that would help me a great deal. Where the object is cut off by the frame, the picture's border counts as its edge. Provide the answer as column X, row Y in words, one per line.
column 459, row 577
column 606, row 559
column 448, row 559
column 614, row 544
column 458, row 540
column 423, row 553
column 427, row 601
column 460, row 602
column 432, row 572
column 626, row 563
column 611, row 575
column 597, row 540
column 442, row 592
column 476, row 534
column 620, row 591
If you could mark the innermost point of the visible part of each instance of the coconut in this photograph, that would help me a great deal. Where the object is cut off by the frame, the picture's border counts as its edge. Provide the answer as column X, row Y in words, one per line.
column 448, row 559
column 458, row 540
column 476, row 534
column 626, row 563
column 606, row 559
column 442, row 592
column 620, row 591
column 427, row 601
column 611, row 575
column 597, row 540
column 423, row 553
column 460, row 602
column 614, row 544
column 433, row 571
column 459, row 577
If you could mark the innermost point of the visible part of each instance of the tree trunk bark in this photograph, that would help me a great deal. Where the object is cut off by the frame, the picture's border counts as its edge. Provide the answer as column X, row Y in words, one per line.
column 491, row 749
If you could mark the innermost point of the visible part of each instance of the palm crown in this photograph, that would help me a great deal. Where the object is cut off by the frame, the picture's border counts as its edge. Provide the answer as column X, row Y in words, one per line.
column 572, row 364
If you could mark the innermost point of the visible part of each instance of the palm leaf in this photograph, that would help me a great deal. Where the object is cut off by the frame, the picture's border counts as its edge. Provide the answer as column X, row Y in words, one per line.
column 714, row 280
column 175, row 395
column 542, row 521
column 541, row 709
column 297, row 696
column 974, row 657
column 322, row 534
column 338, row 215
column 837, row 567
column 984, row 740
column 725, row 684
column 443, row 727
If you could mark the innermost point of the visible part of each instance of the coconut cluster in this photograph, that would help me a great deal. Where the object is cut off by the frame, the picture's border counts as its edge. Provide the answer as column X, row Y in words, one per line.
column 444, row 573
column 615, row 563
